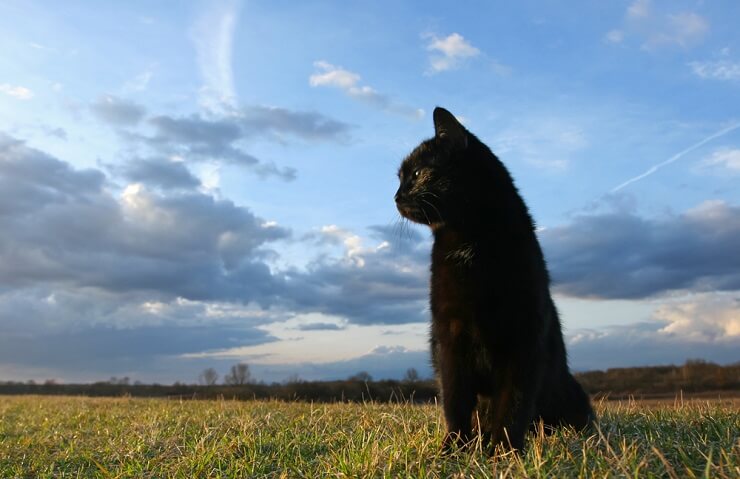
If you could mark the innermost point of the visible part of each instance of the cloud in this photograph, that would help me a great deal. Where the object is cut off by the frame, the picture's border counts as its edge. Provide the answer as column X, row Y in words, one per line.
column 614, row 36
column 723, row 70
column 213, row 36
column 332, row 76
column 117, row 111
column 139, row 83
column 386, row 283
column 386, row 363
column 621, row 255
column 63, row 227
column 703, row 326
column 18, row 92
column 659, row 29
column 86, row 334
column 320, row 327
column 705, row 318
column 682, row 29
column 160, row 172
column 449, row 53
column 726, row 159
column 197, row 138
column 676, row 157
column 541, row 141
column 280, row 122
column 639, row 9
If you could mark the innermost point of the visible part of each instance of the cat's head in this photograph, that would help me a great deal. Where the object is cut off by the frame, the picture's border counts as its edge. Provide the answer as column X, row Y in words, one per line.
column 432, row 177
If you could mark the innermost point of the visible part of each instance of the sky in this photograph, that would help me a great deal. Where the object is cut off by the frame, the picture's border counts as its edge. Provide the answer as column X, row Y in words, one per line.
column 186, row 185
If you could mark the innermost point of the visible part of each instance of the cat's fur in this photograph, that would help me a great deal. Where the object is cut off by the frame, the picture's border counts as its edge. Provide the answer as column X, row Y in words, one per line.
column 497, row 346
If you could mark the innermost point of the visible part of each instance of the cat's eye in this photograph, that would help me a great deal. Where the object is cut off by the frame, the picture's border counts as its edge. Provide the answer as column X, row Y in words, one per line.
column 416, row 172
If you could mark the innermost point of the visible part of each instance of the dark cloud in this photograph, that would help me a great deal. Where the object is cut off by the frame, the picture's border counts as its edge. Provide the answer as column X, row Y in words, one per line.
column 60, row 225
column 382, row 283
column 319, row 327
column 202, row 139
column 108, row 350
column 621, row 255
column 160, row 172
column 219, row 138
column 117, row 111
column 302, row 124
column 644, row 344
column 31, row 179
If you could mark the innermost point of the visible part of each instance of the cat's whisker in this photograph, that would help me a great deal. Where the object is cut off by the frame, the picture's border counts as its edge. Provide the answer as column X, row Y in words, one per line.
column 429, row 222
column 439, row 215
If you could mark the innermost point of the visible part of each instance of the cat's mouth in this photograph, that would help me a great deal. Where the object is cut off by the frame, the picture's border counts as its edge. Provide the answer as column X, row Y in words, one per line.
column 416, row 214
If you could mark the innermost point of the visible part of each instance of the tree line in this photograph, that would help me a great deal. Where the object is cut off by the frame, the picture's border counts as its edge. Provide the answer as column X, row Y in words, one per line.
column 695, row 376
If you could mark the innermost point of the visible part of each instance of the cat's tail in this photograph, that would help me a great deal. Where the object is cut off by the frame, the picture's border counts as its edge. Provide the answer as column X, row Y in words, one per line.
column 565, row 403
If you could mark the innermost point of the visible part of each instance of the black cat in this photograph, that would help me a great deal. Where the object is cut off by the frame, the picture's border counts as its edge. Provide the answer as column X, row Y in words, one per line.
column 496, row 341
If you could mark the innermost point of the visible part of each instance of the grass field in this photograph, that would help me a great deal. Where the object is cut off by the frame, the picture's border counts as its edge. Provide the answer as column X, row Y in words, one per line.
column 127, row 437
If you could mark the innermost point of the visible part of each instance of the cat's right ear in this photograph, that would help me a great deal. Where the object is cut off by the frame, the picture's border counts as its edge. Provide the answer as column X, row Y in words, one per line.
column 446, row 126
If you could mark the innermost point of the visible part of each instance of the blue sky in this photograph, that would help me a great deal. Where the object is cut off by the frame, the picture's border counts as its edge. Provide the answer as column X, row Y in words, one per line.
column 192, row 184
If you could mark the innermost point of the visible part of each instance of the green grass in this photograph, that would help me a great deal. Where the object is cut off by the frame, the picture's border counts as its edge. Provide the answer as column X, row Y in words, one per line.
column 126, row 437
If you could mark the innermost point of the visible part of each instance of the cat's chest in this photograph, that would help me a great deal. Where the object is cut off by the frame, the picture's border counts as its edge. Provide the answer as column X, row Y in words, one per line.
column 454, row 270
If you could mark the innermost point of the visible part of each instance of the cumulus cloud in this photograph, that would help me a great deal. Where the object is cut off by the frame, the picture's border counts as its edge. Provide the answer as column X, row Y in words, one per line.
column 328, row 75
column 725, row 159
column 382, row 283
column 117, row 111
column 695, row 326
column 16, row 91
column 450, row 52
column 65, row 227
column 706, row 318
column 621, row 255
column 160, row 172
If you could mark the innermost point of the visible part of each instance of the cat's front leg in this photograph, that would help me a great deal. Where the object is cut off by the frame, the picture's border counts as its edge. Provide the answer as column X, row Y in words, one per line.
column 458, row 394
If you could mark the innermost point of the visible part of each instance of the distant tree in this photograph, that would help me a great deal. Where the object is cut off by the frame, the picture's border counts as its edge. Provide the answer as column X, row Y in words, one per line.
column 362, row 376
column 294, row 379
column 239, row 375
column 209, row 377
column 412, row 375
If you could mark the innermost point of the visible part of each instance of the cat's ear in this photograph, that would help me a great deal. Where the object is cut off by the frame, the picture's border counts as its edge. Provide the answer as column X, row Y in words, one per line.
column 447, row 126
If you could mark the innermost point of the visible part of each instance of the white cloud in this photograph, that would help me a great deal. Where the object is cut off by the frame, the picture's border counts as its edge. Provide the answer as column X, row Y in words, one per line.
column 727, row 158
column 213, row 36
column 716, row 70
column 658, row 29
column 139, row 82
column 542, row 142
column 639, row 9
column 681, row 29
column 449, row 52
column 614, row 36
column 333, row 76
column 704, row 318
column 19, row 92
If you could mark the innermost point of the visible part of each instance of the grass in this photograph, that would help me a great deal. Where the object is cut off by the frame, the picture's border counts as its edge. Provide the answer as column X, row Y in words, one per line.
column 126, row 437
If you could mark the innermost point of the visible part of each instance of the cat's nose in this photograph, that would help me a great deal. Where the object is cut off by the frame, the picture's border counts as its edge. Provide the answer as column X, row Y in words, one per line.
column 397, row 196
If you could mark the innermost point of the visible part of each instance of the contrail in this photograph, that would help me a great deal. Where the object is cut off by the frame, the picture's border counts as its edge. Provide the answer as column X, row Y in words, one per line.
column 675, row 157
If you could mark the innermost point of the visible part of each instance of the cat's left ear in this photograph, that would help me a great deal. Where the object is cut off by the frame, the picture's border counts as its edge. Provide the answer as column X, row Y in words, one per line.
column 447, row 126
